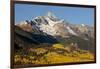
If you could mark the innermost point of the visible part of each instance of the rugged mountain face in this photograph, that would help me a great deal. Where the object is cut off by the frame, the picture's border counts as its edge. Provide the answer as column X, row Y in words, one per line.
column 53, row 26
column 50, row 29
column 30, row 39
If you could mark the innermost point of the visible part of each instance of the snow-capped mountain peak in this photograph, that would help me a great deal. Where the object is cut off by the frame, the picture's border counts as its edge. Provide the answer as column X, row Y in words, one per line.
column 54, row 26
column 51, row 15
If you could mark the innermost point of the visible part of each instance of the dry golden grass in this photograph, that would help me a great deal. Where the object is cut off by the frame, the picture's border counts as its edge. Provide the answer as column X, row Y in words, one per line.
column 53, row 57
column 58, row 46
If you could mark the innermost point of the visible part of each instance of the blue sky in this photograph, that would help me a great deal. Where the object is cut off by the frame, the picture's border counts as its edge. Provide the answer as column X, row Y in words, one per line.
column 74, row 15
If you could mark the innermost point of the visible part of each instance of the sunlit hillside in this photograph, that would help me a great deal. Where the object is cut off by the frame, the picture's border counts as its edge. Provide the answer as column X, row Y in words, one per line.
column 55, row 54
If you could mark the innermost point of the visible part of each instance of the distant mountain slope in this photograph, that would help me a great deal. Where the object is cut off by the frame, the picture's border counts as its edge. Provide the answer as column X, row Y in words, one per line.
column 81, row 43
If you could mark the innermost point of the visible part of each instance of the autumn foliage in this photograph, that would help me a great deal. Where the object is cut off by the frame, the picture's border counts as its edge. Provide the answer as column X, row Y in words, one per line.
column 55, row 54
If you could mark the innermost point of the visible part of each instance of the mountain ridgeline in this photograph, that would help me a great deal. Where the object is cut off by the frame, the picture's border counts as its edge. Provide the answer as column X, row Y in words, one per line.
column 47, row 30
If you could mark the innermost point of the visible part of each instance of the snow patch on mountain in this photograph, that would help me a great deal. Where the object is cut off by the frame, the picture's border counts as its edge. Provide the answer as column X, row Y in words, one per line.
column 71, row 31
column 23, row 23
column 83, row 25
column 47, row 29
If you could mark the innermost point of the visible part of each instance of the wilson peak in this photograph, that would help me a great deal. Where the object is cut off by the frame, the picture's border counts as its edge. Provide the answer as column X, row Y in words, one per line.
column 51, row 25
